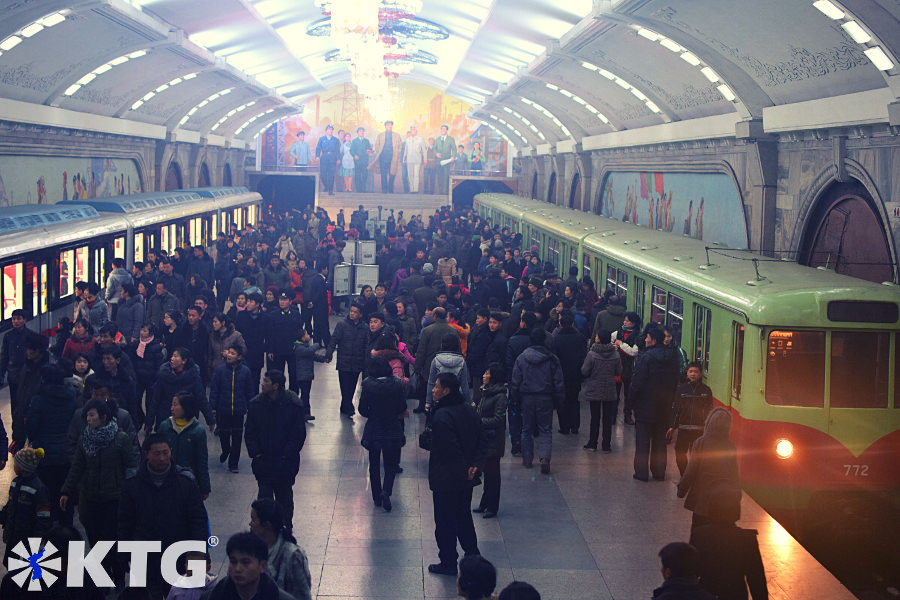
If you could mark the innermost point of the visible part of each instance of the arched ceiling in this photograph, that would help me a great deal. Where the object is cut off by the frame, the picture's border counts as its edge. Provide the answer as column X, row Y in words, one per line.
column 598, row 73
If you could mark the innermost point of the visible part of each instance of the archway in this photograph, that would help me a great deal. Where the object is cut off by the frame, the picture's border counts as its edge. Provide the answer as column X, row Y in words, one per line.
column 226, row 176
column 551, row 190
column 845, row 232
column 534, row 180
column 203, row 179
column 173, row 177
column 575, row 193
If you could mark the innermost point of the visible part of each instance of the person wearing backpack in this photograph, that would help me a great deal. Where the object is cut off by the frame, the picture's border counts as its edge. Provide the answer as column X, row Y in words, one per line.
column 449, row 360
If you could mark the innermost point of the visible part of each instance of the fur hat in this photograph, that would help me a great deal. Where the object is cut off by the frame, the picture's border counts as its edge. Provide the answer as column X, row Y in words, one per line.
column 28, row 458
column 428, row 268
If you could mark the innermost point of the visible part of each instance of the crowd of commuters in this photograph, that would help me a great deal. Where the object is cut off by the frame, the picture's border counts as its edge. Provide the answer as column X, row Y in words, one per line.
column 422, row 164
column 486, row 338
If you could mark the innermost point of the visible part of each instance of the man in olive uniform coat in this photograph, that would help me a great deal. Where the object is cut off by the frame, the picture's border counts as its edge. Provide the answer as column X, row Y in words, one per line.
column 444, row 148
column 386, row 160
column 361, row 149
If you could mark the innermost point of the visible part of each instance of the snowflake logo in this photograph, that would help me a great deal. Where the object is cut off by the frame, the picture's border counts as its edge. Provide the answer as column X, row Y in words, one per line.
column 36, row 564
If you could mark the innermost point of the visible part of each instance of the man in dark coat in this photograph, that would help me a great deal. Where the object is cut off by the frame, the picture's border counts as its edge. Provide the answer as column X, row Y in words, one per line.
column 458, row 450
column 194, row 335
column 201, row 265
column 350, row 338
column 12, row 354
column 159, row 304
column 275, row 433
column 315, row 295
column 571, row 348
column 430, row 345
column 255, row 327
column 275, row 274
column 652, row 390
column 175, row 283
column 515, row 345
column 161, row 503
column 680, row 569
column 537, row 379
column 286, row 324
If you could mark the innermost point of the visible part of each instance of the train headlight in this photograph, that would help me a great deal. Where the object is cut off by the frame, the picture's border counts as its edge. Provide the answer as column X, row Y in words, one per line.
column 784, row 449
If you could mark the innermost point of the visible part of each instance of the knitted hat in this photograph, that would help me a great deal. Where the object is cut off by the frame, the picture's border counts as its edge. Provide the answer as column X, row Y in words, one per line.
column 28, row 458
column 428, row 268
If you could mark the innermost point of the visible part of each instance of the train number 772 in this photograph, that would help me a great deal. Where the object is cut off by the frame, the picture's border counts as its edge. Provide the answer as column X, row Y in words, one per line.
column 856, row 470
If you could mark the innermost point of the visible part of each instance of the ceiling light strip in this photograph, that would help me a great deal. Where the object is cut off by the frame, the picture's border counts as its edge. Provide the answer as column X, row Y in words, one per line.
column 547, row 114
column 32, row 29
column 622, row 83
column 212, row 98
column 874, row 50
column 688, row 57
column 251, row 120
column 580, row 101
column 231, row 113
column 89, row 77
column 149, row 95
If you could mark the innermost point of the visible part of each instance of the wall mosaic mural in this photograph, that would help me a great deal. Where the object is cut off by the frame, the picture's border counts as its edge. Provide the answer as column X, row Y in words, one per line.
column 51, row 179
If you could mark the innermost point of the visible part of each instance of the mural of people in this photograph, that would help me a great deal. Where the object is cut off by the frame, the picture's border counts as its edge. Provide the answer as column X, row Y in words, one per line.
column 660, row 200
column 46, row 179
column 415, row 105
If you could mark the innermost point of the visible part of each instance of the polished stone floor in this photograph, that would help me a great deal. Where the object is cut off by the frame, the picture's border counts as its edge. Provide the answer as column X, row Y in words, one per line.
column 586, row 531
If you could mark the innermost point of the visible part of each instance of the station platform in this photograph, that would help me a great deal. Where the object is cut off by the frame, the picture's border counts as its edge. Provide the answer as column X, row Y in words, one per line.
column 586, row 531
column 410, row 204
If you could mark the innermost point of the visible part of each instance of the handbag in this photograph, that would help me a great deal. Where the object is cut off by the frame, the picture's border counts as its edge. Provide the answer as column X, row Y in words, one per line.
column 426, row 438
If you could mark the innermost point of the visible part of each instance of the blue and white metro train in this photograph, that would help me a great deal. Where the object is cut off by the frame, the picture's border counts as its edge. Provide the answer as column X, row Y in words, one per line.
column 45, row 249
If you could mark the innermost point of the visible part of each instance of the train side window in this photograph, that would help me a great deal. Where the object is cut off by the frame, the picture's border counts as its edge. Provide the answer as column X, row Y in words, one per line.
column 622, row 286
column 586, row 266
column 164, row 239
column 215, row 225
column 119, row 248
column 553, row 252
column 658, row 305
column 737, row 367
column 702, row 335
column 573, row 257
column 860, row 365
column 795, row 368
column 611, row 278
column 640, row 290
column 12, row 289
column 81, row 265
column 675, row 314
column 66, row 273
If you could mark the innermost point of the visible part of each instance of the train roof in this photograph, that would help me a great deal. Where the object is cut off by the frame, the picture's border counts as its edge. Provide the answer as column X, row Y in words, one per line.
column 218, row 192
column 780, row 295
column 30, row 216
column 138, row 202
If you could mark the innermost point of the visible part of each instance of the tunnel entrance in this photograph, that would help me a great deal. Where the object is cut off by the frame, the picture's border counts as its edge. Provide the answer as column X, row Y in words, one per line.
column 464, row 191
column 284, row 192
column 845, row 232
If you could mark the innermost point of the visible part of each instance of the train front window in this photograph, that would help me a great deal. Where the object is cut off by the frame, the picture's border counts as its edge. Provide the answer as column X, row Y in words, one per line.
column 860, row 369
column 795, row 368
column 737, row 368
column 66, row 273
column 12, row 289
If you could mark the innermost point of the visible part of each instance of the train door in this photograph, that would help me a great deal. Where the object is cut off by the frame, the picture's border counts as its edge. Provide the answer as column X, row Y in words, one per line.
column 737, row 361
column 12, row 291
column 640, row 296
column 36, row 289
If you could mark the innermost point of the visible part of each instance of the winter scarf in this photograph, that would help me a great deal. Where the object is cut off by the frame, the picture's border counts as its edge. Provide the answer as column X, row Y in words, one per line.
column 142, row 346
column 95, row 440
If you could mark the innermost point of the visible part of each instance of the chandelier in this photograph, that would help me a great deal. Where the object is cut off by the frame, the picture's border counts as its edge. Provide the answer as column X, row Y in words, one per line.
column 361, row 30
